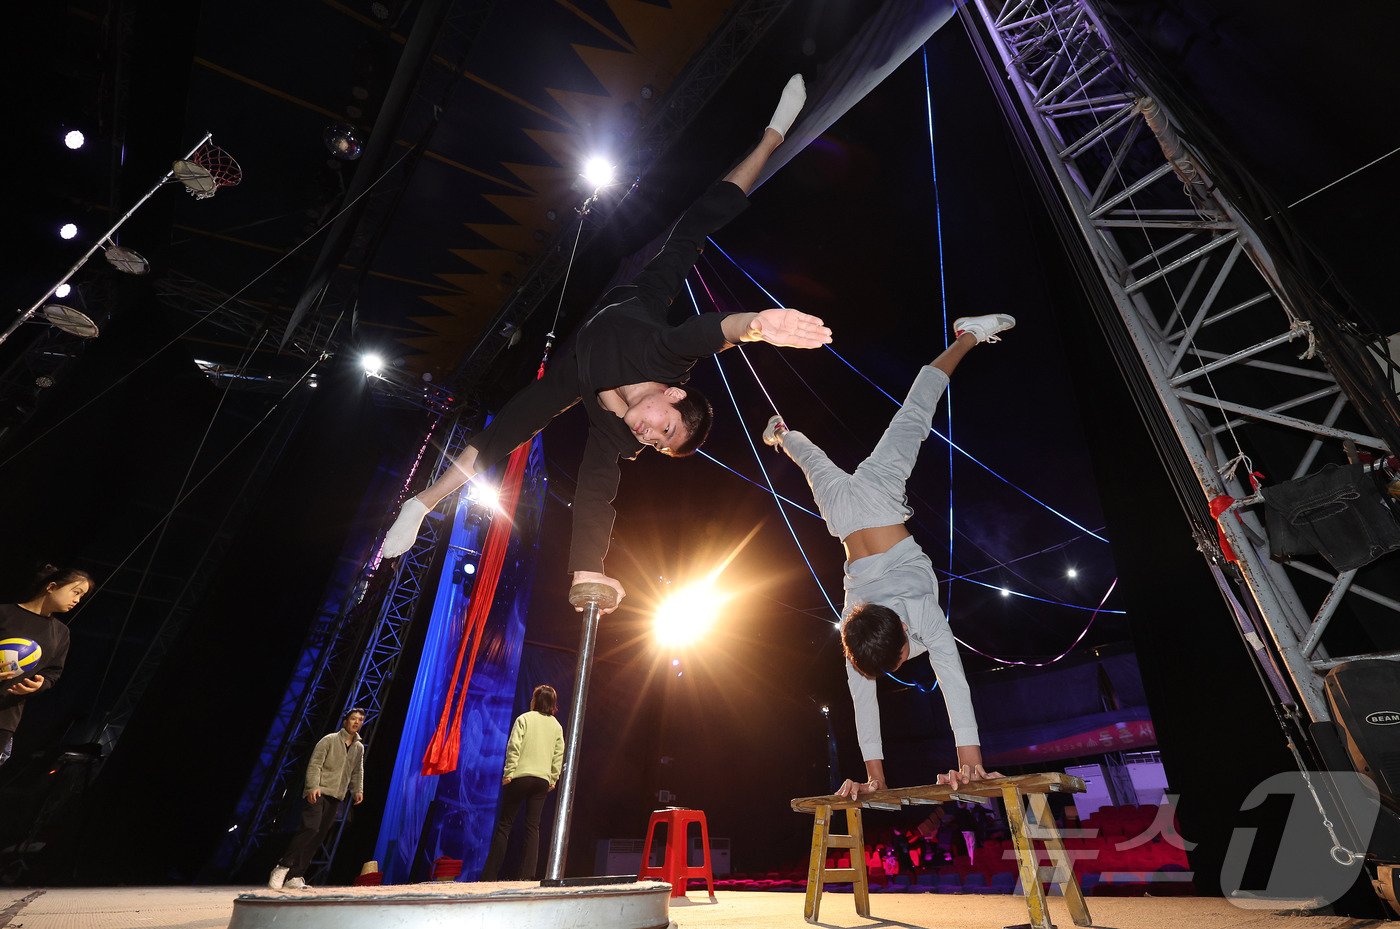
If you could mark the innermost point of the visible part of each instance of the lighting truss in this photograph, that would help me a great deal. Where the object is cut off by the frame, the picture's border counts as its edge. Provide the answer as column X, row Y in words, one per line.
column 1223, row 338
column 353, row 653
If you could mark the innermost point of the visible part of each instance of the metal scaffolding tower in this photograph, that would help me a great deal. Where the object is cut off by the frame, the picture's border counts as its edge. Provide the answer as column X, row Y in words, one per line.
column 349, row 659
column 1209, row 321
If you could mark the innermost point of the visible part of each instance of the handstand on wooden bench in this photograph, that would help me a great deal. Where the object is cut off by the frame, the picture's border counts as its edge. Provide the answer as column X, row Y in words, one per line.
column 1016, row 792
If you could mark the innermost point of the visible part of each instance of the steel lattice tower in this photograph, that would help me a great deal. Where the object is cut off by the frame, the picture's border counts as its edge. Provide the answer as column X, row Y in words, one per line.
column 1204, row 308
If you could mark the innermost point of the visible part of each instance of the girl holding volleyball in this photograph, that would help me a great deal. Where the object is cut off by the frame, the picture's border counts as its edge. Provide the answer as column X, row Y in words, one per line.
column 33, row 644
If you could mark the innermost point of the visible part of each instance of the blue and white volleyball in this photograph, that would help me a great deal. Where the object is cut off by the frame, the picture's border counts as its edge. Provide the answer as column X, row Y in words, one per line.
column 18, row 657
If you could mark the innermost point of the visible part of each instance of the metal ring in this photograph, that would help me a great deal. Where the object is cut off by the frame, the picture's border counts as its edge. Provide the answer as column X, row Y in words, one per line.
column 1337, row 855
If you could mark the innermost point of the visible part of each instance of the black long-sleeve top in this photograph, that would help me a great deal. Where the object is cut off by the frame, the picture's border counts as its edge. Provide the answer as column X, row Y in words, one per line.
column 52, row 636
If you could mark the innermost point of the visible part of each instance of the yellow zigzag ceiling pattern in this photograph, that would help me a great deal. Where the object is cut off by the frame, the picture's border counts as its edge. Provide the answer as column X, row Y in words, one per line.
column 662, row 42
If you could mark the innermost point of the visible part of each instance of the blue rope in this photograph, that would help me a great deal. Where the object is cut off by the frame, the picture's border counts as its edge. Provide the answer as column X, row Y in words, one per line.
column 895, row 401
column 759, row 458
column 755, row 483
column 943, row 299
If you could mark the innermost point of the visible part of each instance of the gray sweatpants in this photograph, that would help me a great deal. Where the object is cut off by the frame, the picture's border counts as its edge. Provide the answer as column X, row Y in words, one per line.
column 901, row 578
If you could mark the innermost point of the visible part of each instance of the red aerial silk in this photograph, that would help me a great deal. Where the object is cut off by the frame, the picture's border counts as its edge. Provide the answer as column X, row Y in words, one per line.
column 441, row 756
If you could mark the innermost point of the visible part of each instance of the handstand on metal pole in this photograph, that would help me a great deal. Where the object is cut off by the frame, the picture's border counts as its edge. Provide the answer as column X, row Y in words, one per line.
column 594, row 600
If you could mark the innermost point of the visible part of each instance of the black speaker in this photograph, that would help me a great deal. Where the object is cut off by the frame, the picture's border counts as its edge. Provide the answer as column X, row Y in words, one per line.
column 1365, row 701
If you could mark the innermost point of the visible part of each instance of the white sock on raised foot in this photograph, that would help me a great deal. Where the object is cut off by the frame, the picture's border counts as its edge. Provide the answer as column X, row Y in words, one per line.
column 404, row 531
column 791, row 103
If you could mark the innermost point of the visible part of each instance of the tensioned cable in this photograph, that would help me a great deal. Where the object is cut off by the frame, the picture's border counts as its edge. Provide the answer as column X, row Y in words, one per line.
column 757, row 380
column 773, row 491
column 1077, row 639
column 226, row 301
column 913, row 495
column 248, row 353
column 759, row 458
column 895, row 401
column 943, row 300
column 949, row 576
column 210, row 473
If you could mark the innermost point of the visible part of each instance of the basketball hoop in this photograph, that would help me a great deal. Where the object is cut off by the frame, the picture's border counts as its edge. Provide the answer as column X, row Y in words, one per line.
column 208, row 169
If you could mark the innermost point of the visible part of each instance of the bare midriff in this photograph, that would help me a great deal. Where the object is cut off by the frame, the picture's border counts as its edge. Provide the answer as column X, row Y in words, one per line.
column 874, row 541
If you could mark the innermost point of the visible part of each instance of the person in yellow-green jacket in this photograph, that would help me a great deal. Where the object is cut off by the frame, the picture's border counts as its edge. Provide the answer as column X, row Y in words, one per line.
column 534, row 757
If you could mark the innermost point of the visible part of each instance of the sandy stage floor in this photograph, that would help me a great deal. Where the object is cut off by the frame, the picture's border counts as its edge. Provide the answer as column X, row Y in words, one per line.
column 211, row 908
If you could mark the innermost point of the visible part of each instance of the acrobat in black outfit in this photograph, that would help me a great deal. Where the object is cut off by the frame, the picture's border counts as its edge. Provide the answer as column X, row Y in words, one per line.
column 630, row 367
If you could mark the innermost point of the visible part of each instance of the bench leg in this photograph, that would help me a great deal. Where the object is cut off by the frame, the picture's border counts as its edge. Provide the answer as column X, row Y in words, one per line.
column 861, row 888
column 1064, row 867
column 816, row 865
column 1026, row 859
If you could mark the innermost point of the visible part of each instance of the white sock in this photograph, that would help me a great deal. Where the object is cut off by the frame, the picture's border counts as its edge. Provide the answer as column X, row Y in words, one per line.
column 404, row 532
column 794, row 96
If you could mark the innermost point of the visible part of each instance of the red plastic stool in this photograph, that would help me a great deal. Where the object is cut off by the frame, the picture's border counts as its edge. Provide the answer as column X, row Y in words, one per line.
column 675, row 868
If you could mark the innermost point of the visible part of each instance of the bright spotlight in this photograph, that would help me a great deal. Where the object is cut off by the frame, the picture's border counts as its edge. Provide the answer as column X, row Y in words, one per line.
column 67, row 231
column 468, row 569
column 483, row 494
column 74, row 139
column 675, row 662
column 599, row 172
column 373, row 364
column 1005, row 592
column 686, row 615
column 62, row 290
column 1072, row 573
column 826, row 711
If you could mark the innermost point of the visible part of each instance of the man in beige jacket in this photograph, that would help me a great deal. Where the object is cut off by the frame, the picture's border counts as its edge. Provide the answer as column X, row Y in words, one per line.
column 336, row 770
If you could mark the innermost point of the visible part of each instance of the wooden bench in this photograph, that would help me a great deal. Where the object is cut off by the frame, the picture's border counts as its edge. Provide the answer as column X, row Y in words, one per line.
column 1016, row 792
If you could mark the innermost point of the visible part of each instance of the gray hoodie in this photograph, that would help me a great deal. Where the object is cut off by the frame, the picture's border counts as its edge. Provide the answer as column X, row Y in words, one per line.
column 334, row 767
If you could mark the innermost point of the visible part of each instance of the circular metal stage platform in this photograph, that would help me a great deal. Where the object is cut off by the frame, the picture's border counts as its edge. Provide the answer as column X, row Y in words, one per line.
column 517, row 904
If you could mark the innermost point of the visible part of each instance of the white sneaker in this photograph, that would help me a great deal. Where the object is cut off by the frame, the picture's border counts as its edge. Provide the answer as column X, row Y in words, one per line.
column 985, row 328
column 404, row 532
column 278, row 878
column 773, row 435
column 296, row 883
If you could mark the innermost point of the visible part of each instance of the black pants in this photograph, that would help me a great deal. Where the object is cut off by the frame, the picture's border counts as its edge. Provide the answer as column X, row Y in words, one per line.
column 7, row 744
column 529, row 792
column 316, row 821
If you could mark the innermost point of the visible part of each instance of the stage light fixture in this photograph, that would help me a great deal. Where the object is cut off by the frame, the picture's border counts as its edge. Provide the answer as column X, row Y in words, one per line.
column 1005, row 592
column 68, row 231
column 373, row 364
column 686, row 615
column 342, row 142
column 468, row 568
column 74, row 139
column 1071, row 573
column 62, row 290
column 599, row 172
column 483, row 494
column 826, row 711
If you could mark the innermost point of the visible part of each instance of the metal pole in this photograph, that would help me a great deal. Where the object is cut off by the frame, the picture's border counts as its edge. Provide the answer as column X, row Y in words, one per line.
column 593, row 599
column 28, row 314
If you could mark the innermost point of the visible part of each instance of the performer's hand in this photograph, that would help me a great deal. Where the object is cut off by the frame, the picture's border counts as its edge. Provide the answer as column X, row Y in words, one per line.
column 26, row 687
column 854, row 789
column 788, row 329
column 593, row 577
column 506, row 780
column 313, row 795
column 359, row 798
column 966, row 774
